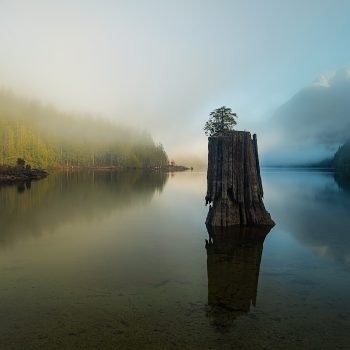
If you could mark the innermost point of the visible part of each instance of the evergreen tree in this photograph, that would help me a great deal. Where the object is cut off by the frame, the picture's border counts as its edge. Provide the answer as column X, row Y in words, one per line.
column 221, row 120
column 45, row 137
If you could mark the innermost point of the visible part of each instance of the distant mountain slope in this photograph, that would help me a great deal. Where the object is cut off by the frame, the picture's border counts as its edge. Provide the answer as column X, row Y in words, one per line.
column 46, row 137
column 312, row 124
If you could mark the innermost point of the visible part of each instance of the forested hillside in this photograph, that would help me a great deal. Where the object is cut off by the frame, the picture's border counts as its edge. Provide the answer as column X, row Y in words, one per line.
column 342, row 159
column 46, row 137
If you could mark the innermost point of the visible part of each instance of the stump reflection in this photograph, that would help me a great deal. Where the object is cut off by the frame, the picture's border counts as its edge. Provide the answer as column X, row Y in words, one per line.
column 233, row 264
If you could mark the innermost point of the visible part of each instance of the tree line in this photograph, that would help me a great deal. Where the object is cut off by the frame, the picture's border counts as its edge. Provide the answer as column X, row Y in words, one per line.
column 341, row 160
column 46, row 137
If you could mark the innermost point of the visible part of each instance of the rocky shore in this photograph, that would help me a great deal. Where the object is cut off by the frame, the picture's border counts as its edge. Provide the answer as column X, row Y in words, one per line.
column 10, row 175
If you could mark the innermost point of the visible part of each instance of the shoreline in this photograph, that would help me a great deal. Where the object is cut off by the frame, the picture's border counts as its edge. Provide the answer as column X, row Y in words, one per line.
column 168, row 168
column 12, row 175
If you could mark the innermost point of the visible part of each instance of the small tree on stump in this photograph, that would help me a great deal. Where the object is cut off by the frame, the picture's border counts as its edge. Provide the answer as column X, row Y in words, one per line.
column 221, row 120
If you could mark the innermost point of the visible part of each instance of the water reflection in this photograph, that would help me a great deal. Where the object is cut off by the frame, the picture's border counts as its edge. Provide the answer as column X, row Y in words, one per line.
column 31, row 209
column 126, row 267
column 233, row 264
column 343, row 181
column 312, row 207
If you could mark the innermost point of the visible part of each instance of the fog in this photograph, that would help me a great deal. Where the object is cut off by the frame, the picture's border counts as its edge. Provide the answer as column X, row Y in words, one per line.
column 163, row 66
column 312, row 124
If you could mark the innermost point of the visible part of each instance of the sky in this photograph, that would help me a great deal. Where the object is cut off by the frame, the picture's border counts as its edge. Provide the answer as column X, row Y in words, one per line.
column 165, row 65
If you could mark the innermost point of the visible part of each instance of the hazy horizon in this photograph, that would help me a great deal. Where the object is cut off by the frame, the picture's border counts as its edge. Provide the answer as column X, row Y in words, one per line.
column 163, row 66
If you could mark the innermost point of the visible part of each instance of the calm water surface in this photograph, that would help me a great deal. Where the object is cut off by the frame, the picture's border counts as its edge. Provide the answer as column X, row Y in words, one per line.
column 120, row 261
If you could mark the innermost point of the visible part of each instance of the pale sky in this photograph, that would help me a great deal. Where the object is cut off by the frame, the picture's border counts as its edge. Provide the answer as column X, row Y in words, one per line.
column 164, row 65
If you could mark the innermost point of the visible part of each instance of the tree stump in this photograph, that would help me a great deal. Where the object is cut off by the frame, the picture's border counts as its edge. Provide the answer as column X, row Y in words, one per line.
column 233, row 181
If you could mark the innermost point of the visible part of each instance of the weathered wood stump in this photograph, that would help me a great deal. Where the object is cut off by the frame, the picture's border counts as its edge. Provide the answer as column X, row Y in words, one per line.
column 233, row 181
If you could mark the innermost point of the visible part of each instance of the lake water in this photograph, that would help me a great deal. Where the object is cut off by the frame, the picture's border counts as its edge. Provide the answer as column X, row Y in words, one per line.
column 120, row 261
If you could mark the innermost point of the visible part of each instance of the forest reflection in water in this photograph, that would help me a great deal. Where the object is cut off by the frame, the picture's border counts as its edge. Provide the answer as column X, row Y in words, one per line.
column 233, row 264
column 68, row 196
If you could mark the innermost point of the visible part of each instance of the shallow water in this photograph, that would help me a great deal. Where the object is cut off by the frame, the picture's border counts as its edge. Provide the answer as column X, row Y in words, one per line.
column 120, row 261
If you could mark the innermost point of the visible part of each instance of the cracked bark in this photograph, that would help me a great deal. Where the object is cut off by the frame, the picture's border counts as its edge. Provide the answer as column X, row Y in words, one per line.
column 234, row 187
